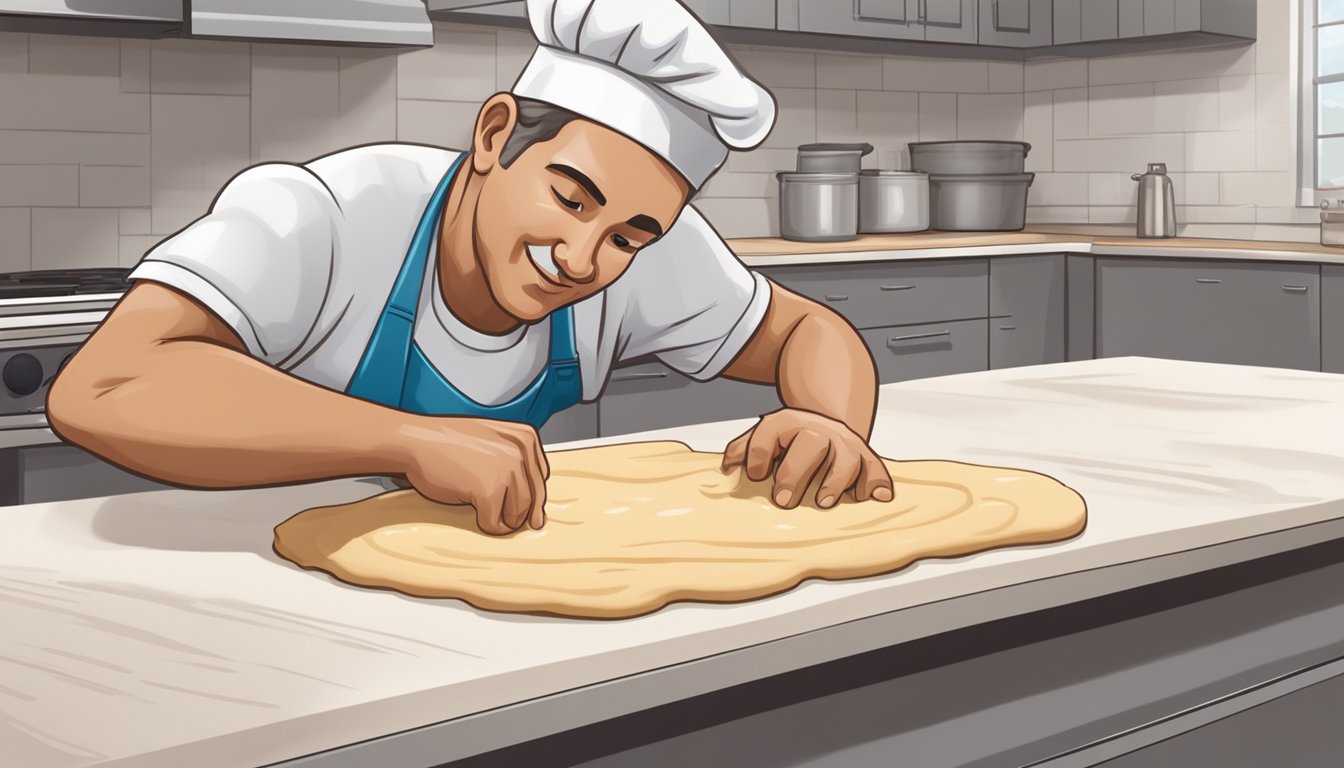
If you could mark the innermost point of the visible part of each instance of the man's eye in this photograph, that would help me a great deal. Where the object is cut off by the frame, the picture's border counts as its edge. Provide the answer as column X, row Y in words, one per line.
column 573, row 205
column 620, row 241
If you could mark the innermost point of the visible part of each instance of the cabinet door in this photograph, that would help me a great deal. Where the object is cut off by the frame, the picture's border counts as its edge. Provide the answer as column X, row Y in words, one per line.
column 892, row 19
column 1100, row 20
column 578, row 422
column 710, row 11
column 925, row 351
column 876, row 295
column 1016, row 23
column 1247, row 313
column 1332, row 318
column 1130, row 18
column 1026, row 304
column 1159, row 17
column 758, row 14
column 653, row 396
column 950, row 21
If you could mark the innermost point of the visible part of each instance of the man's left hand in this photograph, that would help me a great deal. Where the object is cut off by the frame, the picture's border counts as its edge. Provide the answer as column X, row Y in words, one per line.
column 809, row 444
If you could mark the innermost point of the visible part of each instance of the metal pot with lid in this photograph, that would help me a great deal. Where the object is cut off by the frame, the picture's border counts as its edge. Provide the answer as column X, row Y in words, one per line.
column 828, row 157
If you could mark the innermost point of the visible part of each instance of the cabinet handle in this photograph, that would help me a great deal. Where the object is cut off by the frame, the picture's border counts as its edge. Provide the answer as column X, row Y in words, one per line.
column 837, row 297
column 638, row 376
column 895, row 287
column 1207, row 280
column 1007, row 327
column 1002, row 28
column 38, row 409
column 1295, row 288
column 913, row 336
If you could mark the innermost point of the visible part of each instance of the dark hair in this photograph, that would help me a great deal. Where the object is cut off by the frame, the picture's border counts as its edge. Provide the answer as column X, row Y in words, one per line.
column 537, row 121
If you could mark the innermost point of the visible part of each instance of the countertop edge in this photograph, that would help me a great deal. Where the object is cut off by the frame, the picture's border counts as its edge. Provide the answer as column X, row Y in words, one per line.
column 1025, row 249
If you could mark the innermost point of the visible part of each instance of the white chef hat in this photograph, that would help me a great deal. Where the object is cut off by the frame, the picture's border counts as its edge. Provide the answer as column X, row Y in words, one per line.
column 650, row 70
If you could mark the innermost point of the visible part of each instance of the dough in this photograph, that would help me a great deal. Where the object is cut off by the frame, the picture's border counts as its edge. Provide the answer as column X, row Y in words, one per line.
column 633, row 527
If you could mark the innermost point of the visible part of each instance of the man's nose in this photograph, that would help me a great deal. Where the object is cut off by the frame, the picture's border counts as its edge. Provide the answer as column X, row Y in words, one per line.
column 577, row 263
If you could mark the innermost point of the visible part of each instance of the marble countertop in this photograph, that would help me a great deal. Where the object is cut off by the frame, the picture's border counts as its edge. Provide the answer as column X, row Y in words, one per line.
column 159, row 629
column 774, row 251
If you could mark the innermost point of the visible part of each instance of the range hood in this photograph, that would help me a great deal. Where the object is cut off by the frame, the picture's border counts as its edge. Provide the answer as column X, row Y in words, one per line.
column 350, row 22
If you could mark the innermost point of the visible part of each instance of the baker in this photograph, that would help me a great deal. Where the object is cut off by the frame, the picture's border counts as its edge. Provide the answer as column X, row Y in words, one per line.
column 407, row 310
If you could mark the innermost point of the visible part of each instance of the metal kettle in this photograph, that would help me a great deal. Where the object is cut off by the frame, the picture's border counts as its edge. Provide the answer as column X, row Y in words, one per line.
column 1157, row 202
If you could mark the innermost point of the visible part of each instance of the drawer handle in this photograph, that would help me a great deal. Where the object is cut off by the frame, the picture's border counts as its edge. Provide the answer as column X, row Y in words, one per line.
column 913, row 336
column 1207, row 280
column 639, row 376
column 1295, row 288
column 895, row 287
column 837, row 297
column 1007, row 327
column 38, row 409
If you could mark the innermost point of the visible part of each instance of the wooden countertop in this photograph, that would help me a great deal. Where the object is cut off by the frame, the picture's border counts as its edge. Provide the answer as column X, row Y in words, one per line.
column 159, row 629
column 774, row 246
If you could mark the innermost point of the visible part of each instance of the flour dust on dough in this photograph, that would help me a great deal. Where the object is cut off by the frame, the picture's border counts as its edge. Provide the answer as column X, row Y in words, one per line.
column 633, row 527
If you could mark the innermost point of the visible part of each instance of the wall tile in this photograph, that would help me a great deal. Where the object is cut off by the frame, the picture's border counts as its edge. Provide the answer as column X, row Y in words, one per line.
column 1186, row 105
column 741, row 217
column 1038, row 130
column 74, row 55
column 863, row 72
column 114, row 186
column 763, row 160
column 1180, row 65
column 1112, row 214
column 796, row 121
column 837, row 115
column 776, row 68
column 131, row 248
column 1289, row 215
column 1037, row 214
column 367, row 98
column 728, row 183
column 1287, row 233
column 440, row 123
column 65, row 238
column 201, row 67
column 34, row 185
column 460, row 67
column 1271, row 189
column 901, row 73
column 135, row 66
column 513, row 50
column 71, row 103
column 1123, row 153
column 134, row 221
column 1055, row 74
column 937, row 116
column 295, row 103
column 1070, row 113
column 1112, row 189
column 200, row 142
column 1005, row 76
column 13, row 53
column 15, row 240
column 1117, row 110
column 1060, row 189
column 1275, row 99
column 1236, row 103
column 1220, row 151
column 1215, row 214
column 74, row 147
column 989, row 116
column 887, row 119
column 1274, row 21
column 1197, row 188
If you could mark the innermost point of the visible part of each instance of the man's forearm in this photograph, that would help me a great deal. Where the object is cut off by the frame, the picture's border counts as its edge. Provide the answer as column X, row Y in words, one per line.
column 199, row 414
column 824, row 367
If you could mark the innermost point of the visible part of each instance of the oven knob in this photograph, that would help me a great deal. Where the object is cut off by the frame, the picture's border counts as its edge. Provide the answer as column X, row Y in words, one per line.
column 22, row 374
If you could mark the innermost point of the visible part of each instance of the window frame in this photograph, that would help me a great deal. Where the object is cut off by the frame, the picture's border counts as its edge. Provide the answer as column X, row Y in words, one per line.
column 1305, row 62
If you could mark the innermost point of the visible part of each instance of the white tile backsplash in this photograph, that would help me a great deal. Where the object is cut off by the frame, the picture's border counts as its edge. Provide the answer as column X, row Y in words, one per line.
column 143, row 165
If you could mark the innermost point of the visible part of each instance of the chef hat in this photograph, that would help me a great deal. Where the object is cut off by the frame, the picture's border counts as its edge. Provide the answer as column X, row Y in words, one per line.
column 650, row 70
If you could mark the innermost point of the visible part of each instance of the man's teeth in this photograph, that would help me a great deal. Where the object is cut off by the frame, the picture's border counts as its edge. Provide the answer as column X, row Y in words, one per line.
column 541, row 256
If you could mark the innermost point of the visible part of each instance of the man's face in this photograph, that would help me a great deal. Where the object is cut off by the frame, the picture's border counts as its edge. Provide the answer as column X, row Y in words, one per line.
column 567, row 216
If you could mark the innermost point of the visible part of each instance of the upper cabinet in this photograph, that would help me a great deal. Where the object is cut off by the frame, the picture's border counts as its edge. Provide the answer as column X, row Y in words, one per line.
column 1010, row 29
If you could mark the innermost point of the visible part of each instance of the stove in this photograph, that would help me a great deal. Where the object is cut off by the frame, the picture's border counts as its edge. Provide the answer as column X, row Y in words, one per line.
column 44, row 316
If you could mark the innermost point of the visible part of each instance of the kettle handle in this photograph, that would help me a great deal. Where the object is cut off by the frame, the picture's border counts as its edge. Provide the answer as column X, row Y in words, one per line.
column 1136, row 176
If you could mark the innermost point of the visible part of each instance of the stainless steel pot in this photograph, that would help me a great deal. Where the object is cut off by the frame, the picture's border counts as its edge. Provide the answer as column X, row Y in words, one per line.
column 987, row 202
column 818, row 207
column 893, row 201
column 969, row 156
column 845, row 158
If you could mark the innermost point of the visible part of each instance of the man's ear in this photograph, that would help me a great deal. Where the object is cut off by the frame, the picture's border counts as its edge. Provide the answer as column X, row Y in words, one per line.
column 494, row 126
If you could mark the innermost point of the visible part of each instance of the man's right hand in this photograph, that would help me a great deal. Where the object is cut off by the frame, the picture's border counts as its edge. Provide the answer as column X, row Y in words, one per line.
column 498, row 467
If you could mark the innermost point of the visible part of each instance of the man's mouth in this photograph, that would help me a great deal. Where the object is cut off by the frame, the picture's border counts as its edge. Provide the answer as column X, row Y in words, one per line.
column 541, row 257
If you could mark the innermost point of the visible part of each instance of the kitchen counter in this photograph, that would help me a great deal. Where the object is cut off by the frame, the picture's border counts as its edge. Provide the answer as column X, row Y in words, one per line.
column 773, row 251
column 159, row 629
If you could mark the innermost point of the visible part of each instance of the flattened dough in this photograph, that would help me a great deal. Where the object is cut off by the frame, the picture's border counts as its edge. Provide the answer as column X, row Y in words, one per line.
column 633, row 527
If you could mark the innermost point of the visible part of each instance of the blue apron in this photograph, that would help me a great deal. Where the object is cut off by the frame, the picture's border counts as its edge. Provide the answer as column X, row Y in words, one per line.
column 395, row 372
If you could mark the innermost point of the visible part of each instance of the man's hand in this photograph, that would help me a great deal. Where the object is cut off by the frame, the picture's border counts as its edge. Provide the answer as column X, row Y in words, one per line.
column 497, row 467
column 809, row 444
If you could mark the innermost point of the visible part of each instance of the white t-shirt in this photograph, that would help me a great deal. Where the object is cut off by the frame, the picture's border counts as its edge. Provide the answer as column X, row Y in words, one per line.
column 299, row 260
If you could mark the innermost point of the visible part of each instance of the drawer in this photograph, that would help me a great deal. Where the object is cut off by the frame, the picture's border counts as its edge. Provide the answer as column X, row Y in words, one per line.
column 923, row 351
column 653, row 396
column 893, row 293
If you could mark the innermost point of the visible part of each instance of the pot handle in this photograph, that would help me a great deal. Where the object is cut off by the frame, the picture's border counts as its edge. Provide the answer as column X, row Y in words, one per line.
column 865, row 148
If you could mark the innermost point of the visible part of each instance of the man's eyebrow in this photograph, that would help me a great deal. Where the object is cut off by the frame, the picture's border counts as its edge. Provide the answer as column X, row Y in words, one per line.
column 581, row 179
column 646, row 223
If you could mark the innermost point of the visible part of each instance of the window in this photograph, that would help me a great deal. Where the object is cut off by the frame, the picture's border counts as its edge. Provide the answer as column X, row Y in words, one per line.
column 1322, row 104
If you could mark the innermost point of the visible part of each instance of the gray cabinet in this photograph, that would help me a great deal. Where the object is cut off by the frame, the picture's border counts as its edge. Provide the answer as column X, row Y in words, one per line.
column 1016, row 23
column 649, row 395
column 924, row 351
column 1332, row 318
column 880, row 294
column 711, row 11
column 888, row 19
column 1134, row 25
column 1077, row 21
column 578, row 422
column 1080, row 336
column 1248, row 313
column 950, row 21
column 1027, row 307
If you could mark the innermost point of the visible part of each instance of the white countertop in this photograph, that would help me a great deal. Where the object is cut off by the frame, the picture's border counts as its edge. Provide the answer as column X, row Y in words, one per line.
column 1022, row 249
column 159, row 629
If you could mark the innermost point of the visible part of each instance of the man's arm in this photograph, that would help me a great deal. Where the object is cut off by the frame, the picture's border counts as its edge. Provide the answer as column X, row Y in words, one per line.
column 814, row 357
column 166, row 389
